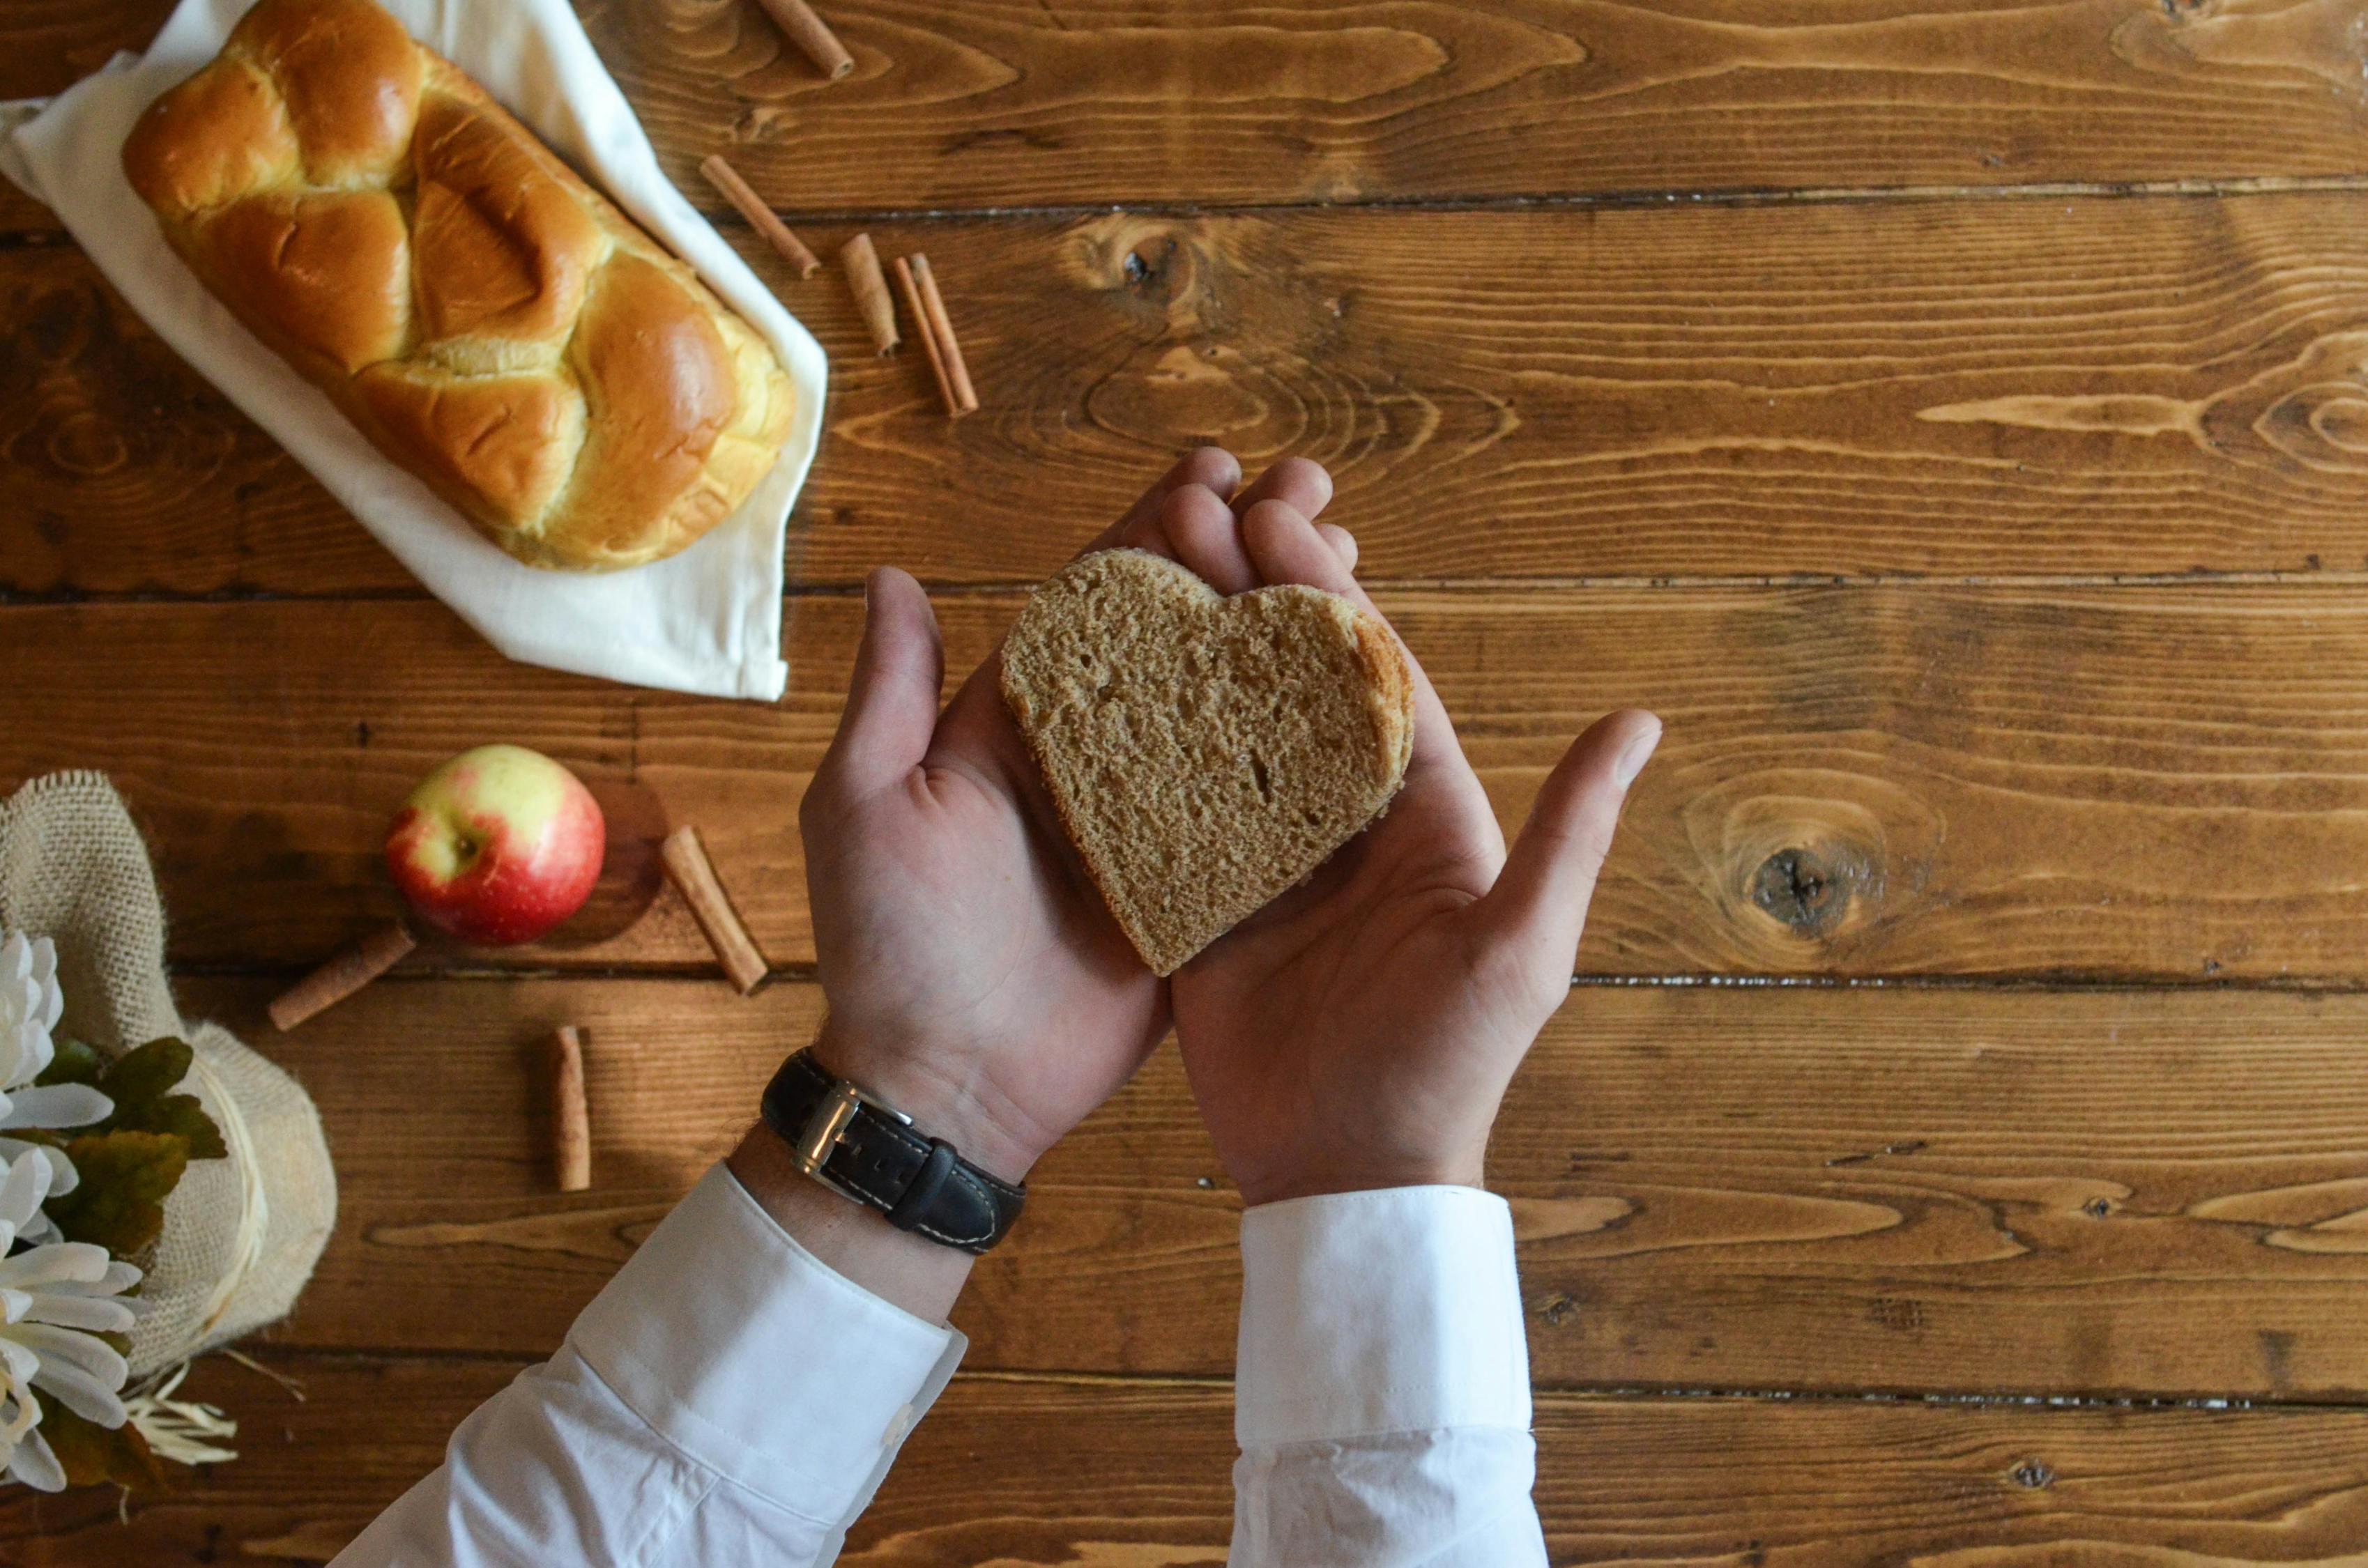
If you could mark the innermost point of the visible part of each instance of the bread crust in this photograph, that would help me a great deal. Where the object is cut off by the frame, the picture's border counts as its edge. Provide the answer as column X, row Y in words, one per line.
column 488, row 320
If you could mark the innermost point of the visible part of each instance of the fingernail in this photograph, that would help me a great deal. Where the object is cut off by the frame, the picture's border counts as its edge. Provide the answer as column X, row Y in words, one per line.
column 1631, row 761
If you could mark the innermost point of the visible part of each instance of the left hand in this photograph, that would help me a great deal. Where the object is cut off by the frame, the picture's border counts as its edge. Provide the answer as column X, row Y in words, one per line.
column 974, row 979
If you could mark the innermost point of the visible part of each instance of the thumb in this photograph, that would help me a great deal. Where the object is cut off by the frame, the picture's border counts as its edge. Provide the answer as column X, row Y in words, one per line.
column 892, row 703
column 1538, row 905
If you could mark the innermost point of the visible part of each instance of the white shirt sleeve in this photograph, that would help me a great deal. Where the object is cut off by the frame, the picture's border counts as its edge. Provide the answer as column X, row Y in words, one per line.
column 728, row 1398
column 1382, row 1386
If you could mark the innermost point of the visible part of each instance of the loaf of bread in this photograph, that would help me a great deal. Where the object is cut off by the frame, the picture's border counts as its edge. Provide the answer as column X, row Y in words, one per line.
column 488, row 320
column 1205, row 753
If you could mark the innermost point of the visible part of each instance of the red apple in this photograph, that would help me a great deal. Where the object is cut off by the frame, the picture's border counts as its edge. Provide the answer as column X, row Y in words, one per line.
column 498, row 846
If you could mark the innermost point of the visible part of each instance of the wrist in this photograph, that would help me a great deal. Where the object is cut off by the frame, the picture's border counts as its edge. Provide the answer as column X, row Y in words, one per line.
column 855, row 1242
column 938, row 1091
column 1320, row 1177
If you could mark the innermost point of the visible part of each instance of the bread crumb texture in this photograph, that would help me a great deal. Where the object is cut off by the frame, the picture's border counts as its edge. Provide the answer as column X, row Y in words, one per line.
column 1205, row 753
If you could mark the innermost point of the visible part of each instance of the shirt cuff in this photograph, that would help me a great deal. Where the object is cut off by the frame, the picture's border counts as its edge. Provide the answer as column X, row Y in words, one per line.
column 1369, row 1312
column 758, row 1360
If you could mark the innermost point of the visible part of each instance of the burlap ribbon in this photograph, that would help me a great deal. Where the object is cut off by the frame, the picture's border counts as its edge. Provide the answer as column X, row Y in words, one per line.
column 241, row 1234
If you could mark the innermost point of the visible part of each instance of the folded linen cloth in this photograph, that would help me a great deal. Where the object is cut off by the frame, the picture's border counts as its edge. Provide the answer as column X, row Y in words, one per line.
column 706, row 620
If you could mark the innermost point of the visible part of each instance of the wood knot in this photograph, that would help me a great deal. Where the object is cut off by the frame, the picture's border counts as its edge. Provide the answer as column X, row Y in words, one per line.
column 1805, row 889
column 2034, row 1474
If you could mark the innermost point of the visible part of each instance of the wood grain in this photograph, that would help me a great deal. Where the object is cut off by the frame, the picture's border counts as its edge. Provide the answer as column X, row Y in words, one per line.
column 2140, row 1193
column 1107, row 100
column 1012, row 103
column 1986, row 389
column 996, row 1475
column 2166, row 783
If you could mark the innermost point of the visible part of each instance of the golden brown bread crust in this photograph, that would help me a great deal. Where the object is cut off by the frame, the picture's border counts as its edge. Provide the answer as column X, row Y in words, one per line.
column 488, row 320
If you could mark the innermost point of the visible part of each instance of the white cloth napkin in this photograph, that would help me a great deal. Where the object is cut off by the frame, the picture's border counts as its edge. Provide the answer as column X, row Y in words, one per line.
column 707, row 621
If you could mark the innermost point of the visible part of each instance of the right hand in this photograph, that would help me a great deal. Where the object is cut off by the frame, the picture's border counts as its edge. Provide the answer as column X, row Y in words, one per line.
column 1360, row 1031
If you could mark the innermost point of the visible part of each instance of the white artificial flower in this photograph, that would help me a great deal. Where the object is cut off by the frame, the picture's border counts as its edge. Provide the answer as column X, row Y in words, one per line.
column 30, row 1005
column 55, row 1301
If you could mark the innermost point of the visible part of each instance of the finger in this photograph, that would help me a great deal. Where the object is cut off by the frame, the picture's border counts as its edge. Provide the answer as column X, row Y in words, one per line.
column 1538, row 905
column 1286, row 548
column 1343, row 543
column 1212, row 468
column 892, row 703
column 1207, row 539
column 1300, row 483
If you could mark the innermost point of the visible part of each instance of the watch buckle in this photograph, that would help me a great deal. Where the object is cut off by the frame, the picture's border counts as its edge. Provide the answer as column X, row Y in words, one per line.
column 819, row 1138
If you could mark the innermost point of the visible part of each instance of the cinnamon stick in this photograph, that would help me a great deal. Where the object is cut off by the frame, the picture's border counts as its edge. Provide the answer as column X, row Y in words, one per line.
column 571, row 1115
column 810, row 33
column 929, row 339
column 864, row 276
column 354, row 967
column 687, row 867
column 761, row 218
column 941, row 327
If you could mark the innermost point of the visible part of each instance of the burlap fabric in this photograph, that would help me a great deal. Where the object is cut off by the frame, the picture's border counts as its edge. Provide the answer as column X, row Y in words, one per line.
column 242, row 1234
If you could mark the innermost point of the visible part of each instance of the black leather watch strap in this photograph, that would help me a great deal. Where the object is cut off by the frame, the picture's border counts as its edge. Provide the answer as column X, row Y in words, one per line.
column 872, row 1154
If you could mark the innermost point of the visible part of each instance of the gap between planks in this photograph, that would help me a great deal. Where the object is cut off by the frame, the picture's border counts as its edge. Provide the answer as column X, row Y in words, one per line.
column 17, row 598
column 1729, row 196
column 660, row 974
column 290, row 1356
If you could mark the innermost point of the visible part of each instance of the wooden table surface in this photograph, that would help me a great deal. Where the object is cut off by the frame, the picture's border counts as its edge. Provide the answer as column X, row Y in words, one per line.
column 1951, row 414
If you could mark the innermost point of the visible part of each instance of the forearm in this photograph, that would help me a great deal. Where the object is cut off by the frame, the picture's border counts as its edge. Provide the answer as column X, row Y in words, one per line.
column 733, row 1395
column 918, row 1275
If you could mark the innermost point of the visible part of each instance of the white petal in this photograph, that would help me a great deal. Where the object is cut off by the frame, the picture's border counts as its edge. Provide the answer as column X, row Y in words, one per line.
column 15, row 1305
column 96, row 1314
column 33, row 1464
column 40, row 1052
column 64, row 1177
column 22, row 1189
column 59, row 1261
column 72, row 1347
column 20, row 1362
column 117, row 1278
column 86, row 1395
column 57, row 1105
column 16, row 958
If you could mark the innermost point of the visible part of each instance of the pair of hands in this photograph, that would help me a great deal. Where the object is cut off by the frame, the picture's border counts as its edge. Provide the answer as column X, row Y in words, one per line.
column 1359, row 1032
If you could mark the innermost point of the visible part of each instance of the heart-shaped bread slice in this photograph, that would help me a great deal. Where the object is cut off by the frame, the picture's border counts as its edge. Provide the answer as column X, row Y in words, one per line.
column 1205, row 753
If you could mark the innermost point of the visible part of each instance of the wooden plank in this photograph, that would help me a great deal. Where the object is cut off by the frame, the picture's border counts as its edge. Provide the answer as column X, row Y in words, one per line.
column 997, row 1474
column 1110, row 100
column 2166, row 783
column 1974, row 1190
column 1974, row 389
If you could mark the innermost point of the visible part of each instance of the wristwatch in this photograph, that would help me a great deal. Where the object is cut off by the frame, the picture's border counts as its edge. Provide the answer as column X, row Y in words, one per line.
column 866, row 1150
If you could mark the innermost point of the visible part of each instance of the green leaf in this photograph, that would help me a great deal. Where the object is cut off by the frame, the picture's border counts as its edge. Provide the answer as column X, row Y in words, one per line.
column 175, row 1116
column 74, row 1064
column 125, row 1175
column 141, row 1083
column 89, row 1453
column 147, row 1073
